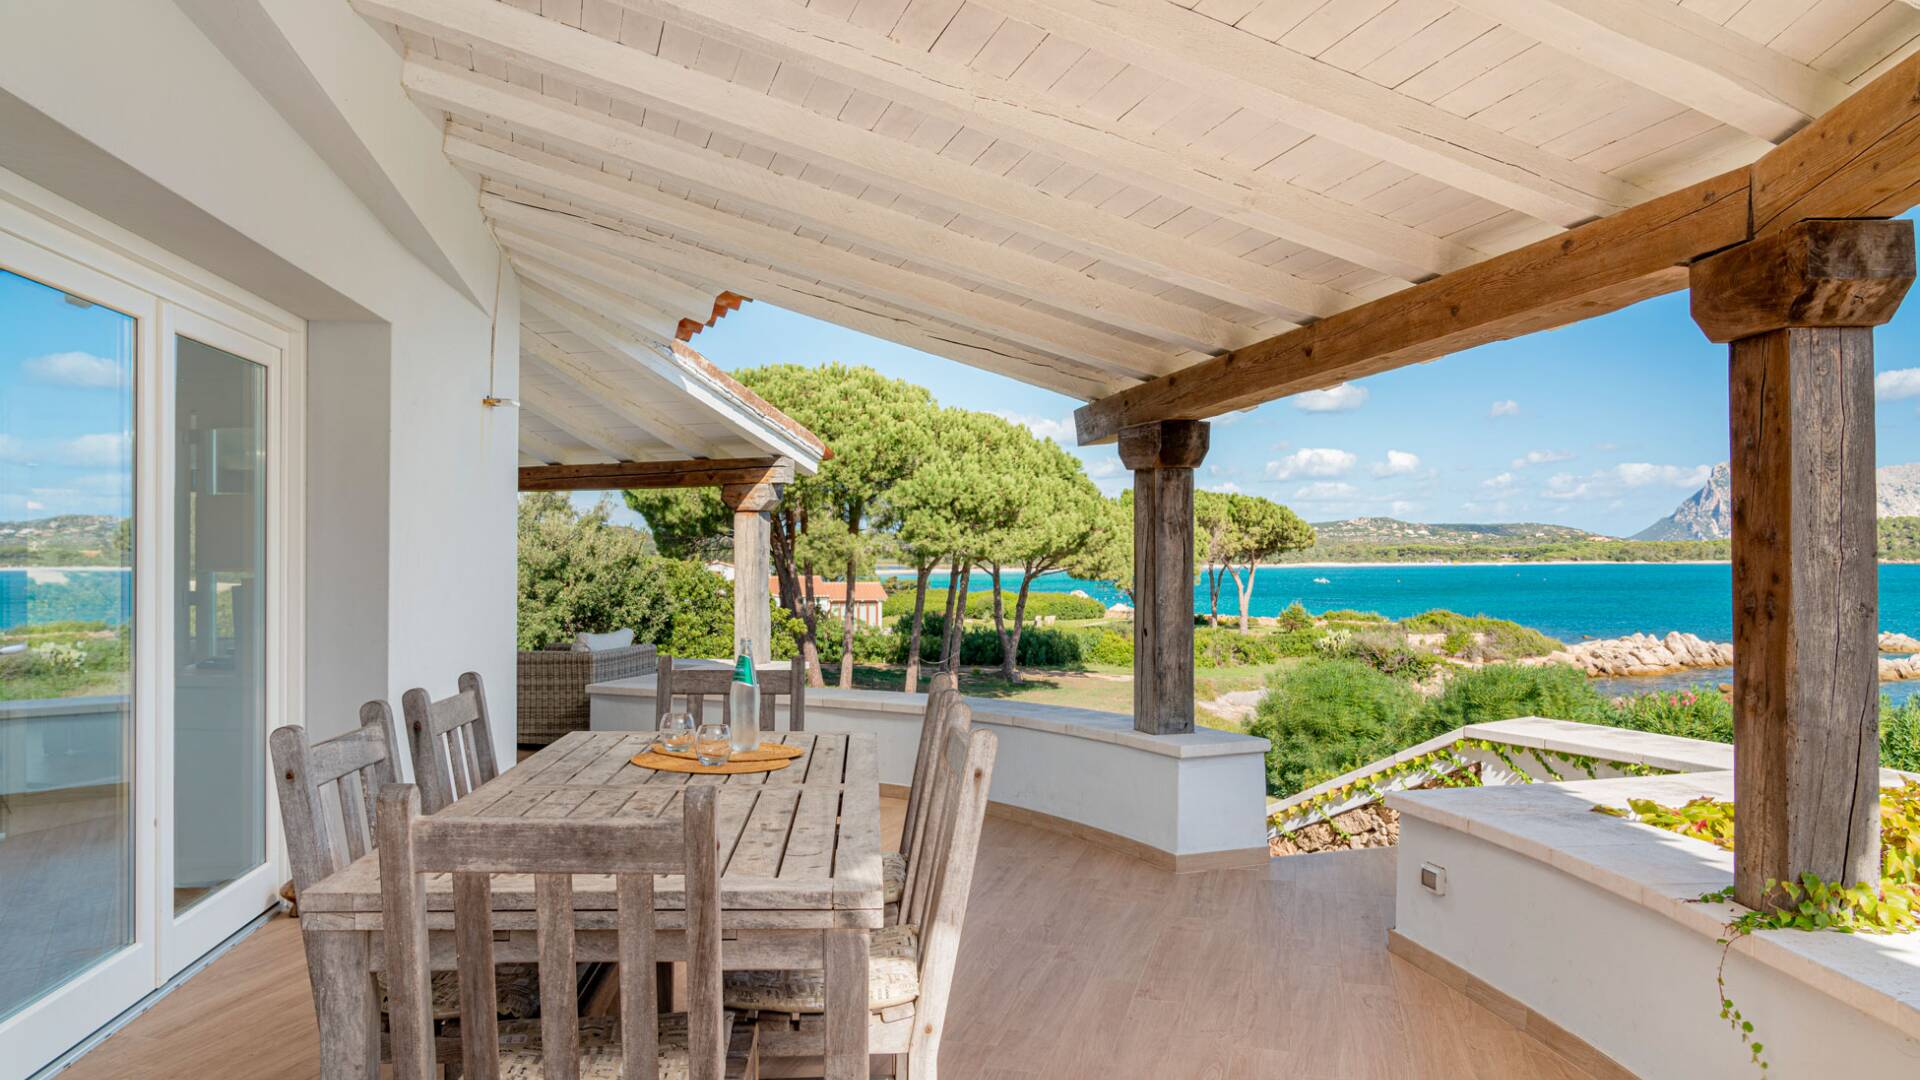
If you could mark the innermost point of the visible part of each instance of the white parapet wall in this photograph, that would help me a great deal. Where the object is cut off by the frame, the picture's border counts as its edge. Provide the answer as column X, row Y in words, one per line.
column 1591, row 929
column 1188, row 802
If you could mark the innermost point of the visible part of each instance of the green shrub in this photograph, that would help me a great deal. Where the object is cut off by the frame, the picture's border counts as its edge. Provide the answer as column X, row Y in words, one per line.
column 1302, row 641
column 1504, row 691
column 1500, row 639
column 1348, row 615
column 980, row 604
column 870, row 646
column 1699, row 713
column 1325, row 717
column 1457, row 642
column 980, row 645
column 1899, row 734
column 1295, row 617
column 1102, row 646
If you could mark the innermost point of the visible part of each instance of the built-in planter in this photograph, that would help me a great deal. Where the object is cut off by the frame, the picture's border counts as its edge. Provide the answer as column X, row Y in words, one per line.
column 1587, row 930
column 1188, row 802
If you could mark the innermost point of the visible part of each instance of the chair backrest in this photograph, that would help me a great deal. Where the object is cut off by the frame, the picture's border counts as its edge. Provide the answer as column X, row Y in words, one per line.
column 958, row 810
column 693, row 685
column 924, row 843
column 358, row 764
column 940, row 693
column 472, row 850
column 450, row 742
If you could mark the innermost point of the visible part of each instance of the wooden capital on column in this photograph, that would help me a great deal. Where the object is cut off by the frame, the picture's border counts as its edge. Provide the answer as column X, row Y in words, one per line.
column 1163, row 456
column 1799, row 307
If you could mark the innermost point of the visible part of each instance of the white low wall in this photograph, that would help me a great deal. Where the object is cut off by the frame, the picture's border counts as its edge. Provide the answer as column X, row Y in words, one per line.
column 1186, row 800
column 1592, row 922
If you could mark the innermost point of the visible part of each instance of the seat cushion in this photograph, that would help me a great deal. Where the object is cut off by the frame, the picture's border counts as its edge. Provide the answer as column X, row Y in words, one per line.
column 517, row 985
column 600, row 1051
column 893, row 978
column 893, row 875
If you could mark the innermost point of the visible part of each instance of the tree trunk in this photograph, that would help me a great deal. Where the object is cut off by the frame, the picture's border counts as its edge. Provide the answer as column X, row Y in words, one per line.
column 786, row 531
column 1213, row 594
column 946, row 620
column 1019, row 624
column 847, row 624
column 1246, row 593
column 1007, row 656
column 959, row 628
column 922, row 573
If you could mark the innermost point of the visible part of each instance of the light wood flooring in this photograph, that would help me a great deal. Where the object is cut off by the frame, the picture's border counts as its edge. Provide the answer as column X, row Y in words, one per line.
column 1078, row 962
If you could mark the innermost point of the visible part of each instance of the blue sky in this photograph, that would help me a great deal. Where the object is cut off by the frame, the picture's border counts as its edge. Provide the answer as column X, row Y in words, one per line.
column 1604, row 425
column 65, row 404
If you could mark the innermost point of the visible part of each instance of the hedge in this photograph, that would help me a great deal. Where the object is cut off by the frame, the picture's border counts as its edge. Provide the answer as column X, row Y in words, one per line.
column 980, row 604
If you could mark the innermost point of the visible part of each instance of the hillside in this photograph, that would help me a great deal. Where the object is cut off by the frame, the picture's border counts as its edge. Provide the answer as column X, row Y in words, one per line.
column 1385, row 530
column 1707, row 514
column 66, row 540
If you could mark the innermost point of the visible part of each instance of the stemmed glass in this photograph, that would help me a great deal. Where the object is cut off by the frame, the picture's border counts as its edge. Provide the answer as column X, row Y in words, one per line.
column 713, row 744
column 676, row 733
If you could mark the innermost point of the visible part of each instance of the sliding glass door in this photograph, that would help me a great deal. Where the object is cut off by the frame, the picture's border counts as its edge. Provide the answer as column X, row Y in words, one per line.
column 145, row 628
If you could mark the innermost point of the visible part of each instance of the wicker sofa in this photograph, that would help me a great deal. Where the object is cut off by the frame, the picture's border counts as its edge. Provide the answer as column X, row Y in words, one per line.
column 553, row 686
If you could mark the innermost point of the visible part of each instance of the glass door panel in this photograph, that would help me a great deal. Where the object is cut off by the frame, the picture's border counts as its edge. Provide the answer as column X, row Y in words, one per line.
column 219, row 625
column 67, row 844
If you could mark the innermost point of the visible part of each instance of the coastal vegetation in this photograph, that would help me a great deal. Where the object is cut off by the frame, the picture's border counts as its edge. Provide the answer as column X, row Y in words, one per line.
column 65, row 659
column 1385, row 540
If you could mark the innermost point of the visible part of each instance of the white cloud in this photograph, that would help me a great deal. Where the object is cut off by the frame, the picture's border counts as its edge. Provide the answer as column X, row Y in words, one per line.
column 1499, row 483
column 75, row 369
column 1324, row 490
column 107, row 449
column 1398, row 463
column 1311, row 461
column 1343, row 398
column 31, row 505
column 1104, row 468
column 1542, row 457
column 1894, row 385
column 1043, row 427
column 12, row 449
column 1610, row 482
column 1508, row 407
column 1228, row 488
column 1401, row 507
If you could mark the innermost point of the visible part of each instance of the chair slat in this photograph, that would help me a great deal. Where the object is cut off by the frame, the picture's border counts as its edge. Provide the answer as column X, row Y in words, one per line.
column 358, row 764
column 639, row 988
column 922, row 870
column 354, row 816
column 479, row 994
column 940, row 930
column 442, row 766
column 559, row 993
column 931, row 724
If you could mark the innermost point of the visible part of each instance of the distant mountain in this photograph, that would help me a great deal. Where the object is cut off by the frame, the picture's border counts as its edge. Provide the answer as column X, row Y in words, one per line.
column 1707, row 514
column 1385, row 530
column 66, row 540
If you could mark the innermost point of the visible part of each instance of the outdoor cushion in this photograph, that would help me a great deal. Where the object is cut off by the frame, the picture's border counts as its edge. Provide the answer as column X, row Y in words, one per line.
column 893, row 978
column 600, row 1051
column 893, row 876
column 518, row 986
column 616, row 639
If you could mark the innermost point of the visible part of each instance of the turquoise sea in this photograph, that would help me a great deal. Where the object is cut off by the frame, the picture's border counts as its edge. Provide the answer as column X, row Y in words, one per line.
column 1571, row 602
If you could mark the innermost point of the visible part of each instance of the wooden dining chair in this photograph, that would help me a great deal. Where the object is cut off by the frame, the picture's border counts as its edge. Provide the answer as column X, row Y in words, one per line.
column 693, row 685
column 910, row 964
column 894, row 864
column 450, row 741
column 703, row 1043
column 358, row 765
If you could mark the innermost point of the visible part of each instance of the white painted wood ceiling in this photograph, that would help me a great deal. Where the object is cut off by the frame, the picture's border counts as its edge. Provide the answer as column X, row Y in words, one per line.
column 1085, row 193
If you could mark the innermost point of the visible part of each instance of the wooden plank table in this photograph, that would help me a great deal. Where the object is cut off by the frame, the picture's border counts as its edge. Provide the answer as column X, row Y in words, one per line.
column 799, row 880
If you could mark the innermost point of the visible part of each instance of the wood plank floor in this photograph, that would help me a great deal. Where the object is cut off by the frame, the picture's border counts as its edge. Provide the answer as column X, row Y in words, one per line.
column 1078, row 962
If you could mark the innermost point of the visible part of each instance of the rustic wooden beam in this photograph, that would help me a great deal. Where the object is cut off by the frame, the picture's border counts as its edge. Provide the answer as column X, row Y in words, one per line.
column 751, row 504
column 1163, row 457
column 710, row 472
column 1860, row 159
column 1799, row 307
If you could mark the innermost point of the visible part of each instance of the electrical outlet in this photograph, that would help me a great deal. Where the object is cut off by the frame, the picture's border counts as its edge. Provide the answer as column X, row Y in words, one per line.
column 1433, row 879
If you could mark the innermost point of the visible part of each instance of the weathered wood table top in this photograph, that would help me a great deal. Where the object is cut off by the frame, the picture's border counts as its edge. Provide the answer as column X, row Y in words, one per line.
column 799, row 847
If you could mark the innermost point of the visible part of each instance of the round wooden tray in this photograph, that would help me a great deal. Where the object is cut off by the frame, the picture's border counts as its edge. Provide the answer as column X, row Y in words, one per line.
column 654, row 759
column 766, row 751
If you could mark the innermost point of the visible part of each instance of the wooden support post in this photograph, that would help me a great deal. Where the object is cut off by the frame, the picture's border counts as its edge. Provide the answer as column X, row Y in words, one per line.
column 1163, row 456
column 752, row 535
column 1798, row 307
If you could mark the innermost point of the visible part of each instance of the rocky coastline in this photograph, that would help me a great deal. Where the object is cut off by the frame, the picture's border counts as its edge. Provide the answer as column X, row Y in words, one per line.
column 1645, row 654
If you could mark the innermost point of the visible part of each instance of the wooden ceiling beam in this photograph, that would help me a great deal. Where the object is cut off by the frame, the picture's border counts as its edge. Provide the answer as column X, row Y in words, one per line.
column 613, row 397
column 1680, row 55
column 1155, row 161
column 629, row 75
column 639, row 202
column 711, row 472
column 477, row 98
column 1196, row 51
column 808, row 297
column 653, row 289
column 1860, row 159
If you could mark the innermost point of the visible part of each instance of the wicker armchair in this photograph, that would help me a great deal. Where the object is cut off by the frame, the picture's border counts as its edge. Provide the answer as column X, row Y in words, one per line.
column 553, row 686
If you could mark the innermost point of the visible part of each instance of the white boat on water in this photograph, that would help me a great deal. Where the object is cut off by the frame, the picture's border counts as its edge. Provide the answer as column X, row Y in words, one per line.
column 1322, row 581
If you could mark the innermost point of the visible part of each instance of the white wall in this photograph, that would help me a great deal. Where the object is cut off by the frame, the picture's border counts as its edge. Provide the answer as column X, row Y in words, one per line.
column 218, row 175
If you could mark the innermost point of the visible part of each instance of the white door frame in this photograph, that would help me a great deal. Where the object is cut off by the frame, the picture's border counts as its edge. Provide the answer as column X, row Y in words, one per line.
column 48, row 239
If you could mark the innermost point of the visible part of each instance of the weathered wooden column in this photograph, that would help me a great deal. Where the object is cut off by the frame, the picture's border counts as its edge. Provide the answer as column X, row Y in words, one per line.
column 1799, row 307
column 1163, row 456
column 752, row 534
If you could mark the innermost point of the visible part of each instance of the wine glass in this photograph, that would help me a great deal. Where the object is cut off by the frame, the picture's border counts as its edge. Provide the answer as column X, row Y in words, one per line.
column 676, row 733
column 713, row 744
